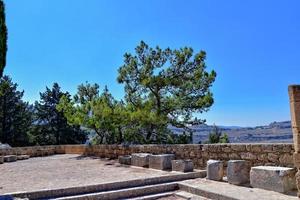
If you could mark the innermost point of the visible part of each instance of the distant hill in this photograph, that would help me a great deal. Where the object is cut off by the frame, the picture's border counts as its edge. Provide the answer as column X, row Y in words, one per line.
column 275, row 132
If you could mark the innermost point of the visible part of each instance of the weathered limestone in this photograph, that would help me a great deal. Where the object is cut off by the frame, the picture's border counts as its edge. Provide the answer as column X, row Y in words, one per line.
column 215, row 170
column 237, row 172
column 125, row 160
column 294, row 94
column 1, row 160
column 161, row 162
column 278, row 179
column 23, row 157
column 182, row 165
column 140, row 159
column 10, row 158
column 256, row 154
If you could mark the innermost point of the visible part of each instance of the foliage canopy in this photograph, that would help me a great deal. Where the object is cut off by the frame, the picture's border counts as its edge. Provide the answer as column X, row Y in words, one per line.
column 15, row 114
column 50, row 125
column 165, row 87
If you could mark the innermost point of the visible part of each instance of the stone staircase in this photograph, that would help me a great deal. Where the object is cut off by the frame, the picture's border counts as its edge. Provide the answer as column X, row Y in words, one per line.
column 149, row 188
column 152, row 191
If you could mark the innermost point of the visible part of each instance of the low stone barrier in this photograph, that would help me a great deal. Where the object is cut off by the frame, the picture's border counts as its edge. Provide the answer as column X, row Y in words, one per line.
column 254, row 154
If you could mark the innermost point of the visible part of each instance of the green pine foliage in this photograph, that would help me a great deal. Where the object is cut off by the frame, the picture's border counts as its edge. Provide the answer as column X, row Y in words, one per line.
column 50, row 125
column 100, row 113
column 3, row 38
column 15, row 114
column 165, row 87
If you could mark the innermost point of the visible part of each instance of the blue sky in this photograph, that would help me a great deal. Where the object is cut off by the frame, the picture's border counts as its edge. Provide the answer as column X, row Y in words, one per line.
column 252, row 45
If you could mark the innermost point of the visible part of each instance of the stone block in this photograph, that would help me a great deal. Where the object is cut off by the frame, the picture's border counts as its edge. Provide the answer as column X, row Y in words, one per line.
column 215, row 170
column 1, row 159
column 296, row 158
column 161, row 162
column 278, row 179
column 248, row 156
column 23, row 157
column 238, row 172
column 125, row 160
column 238, row 147
column 10, row 158
column 140, row 159
column 182, row 165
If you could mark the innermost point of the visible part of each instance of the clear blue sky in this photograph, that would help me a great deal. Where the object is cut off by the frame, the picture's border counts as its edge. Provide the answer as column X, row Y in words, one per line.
column 252, row 45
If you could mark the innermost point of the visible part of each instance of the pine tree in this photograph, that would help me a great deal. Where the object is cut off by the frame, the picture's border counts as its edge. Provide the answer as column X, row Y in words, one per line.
column 50, row 126
column 3, row 38
column 15, row 114
column 165, row 87
column 100, row 113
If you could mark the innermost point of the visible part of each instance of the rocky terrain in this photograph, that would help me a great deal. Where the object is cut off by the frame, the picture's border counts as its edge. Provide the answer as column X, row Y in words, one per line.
column 276, row 132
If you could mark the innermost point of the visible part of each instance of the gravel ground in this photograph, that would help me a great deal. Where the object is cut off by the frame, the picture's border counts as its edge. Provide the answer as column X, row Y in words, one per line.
column 67, row 170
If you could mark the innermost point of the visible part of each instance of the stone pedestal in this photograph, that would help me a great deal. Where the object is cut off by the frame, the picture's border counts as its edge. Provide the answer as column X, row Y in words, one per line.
column 238, row 172
column 294, row 94
column 10, row 158
column 1, row 160
column 278, row 179
column 161, row 162
column 215, row 170
column 182, row 165
column 140, row 159
column 125, row 160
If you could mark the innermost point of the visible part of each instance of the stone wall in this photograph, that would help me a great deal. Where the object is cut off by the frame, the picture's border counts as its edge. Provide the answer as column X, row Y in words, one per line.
column 256, row 154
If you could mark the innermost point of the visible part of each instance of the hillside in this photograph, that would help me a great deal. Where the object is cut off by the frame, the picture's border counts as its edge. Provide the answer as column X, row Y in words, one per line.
column 275, row 132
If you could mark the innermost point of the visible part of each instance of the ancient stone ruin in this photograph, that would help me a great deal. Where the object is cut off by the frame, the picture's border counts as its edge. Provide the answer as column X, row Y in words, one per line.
column 294, row 94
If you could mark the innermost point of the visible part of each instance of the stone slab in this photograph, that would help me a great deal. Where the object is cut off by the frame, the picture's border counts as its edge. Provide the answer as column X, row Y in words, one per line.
column 182, row 165
column 161, row 161
column 279, row 179
column 140, row 159
column 215, row 170
column 10, row 158
column 238, row 172
column 125, row 160
column 225, row 191
column 23, row 157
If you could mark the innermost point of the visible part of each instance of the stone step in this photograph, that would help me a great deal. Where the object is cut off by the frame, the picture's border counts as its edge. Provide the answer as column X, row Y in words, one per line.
column 126, row 193
column 10, row 158
column 23, row 157
column 72, row 191
column 217, row 190
column 189, row 196
column 153, row 196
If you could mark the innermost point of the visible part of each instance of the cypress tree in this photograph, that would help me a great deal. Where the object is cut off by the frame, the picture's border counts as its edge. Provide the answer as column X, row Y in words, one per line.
column 3, row 38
